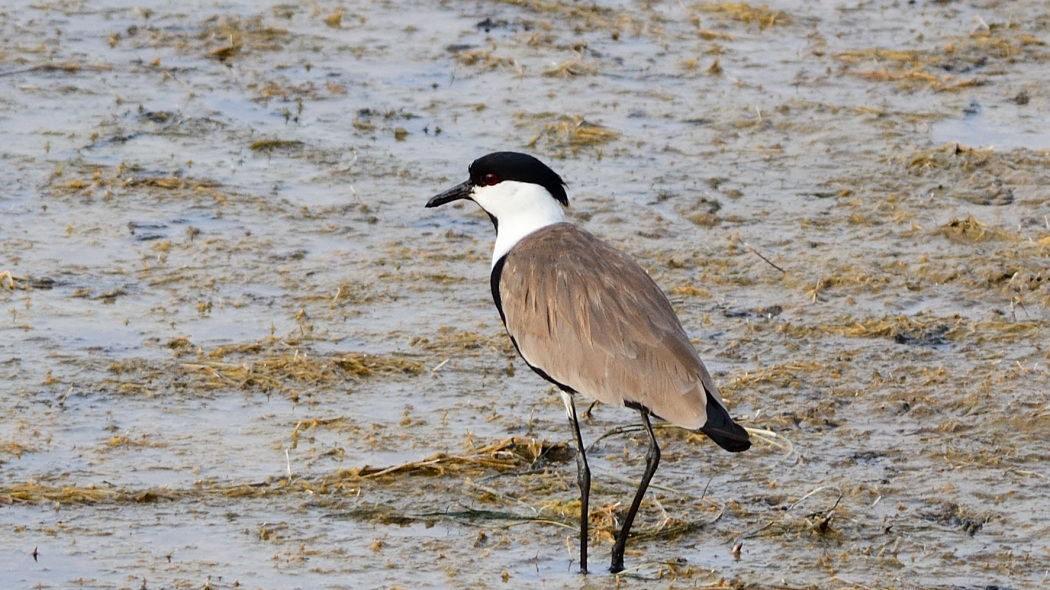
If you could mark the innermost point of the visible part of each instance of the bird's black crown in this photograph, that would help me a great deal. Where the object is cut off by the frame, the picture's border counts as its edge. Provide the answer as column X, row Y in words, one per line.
column 520, row 167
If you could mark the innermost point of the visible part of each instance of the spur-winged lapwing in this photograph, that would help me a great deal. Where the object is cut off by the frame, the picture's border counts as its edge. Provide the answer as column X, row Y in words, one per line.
column 589, row 319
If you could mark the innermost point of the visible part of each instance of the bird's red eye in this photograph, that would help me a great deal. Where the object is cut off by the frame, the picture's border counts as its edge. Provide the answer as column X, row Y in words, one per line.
column 489, row 179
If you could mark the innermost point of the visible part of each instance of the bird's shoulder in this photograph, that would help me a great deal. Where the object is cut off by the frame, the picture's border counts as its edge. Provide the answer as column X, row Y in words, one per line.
column 565, row 252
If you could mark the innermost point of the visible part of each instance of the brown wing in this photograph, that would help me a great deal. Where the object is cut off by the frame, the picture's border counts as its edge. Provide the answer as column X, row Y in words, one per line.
column 592, row 319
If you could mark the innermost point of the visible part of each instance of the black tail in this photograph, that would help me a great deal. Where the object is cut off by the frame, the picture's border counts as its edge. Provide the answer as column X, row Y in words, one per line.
column 720, row 428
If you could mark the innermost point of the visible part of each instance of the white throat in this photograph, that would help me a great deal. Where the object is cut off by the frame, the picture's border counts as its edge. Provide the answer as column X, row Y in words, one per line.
column 520, row 208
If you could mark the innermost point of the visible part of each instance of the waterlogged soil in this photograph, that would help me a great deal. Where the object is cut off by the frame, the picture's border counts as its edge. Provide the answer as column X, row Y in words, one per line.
column 237, row 352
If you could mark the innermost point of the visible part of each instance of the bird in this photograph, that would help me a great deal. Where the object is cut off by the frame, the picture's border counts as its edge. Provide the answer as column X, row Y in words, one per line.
column 589, row 319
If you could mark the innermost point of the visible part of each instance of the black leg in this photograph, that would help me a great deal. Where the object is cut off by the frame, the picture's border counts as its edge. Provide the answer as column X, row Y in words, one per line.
column 652, row 460
column 583, row 477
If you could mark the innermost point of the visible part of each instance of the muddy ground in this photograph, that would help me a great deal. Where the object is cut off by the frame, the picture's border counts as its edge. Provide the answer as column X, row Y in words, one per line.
column 238, row 353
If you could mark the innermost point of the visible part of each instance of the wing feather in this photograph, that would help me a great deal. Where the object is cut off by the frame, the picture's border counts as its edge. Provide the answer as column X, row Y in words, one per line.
column 617, row 337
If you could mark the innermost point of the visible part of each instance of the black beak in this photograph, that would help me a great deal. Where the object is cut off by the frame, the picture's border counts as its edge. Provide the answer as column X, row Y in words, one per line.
column 462, row 190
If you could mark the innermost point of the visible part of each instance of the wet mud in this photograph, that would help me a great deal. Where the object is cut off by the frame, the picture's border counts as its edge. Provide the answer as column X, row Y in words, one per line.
column 238, row 353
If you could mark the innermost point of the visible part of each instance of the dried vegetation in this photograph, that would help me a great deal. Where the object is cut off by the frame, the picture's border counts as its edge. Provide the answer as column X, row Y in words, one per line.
column 220, row 37
column 272, row 365
column 761, row 15
column 957, row 64
column 565, row 134
column 113, row 182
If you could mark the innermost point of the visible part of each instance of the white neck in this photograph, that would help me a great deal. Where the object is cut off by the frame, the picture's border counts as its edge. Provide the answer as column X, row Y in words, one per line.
column 520, row 208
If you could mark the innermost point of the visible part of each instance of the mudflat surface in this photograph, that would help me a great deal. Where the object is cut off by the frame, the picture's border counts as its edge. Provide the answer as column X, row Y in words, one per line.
column 237, row 352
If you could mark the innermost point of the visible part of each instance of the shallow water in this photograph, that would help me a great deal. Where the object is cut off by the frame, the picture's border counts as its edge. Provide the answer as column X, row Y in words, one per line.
column 228, row 313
